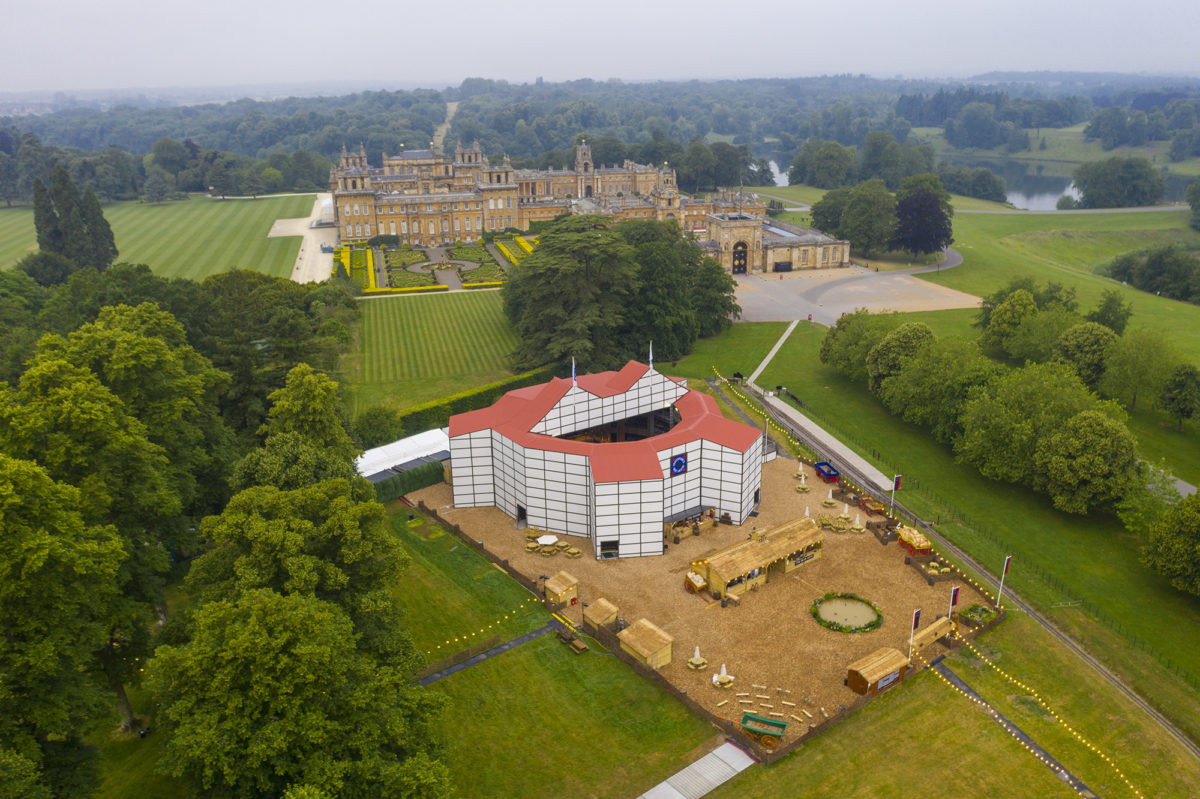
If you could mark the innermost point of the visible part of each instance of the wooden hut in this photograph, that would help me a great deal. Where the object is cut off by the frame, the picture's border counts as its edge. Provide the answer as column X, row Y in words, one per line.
column 877, row 672
column 747, row 564
column 600, row 614
column 647, row 642
column 939, row 629
column 561, row 589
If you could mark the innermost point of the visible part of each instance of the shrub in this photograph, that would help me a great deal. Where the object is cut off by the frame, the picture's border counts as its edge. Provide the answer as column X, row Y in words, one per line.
column 425, row 475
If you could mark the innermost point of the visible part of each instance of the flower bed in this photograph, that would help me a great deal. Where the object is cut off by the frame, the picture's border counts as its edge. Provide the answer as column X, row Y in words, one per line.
column 977, row 615
column 402, row 278
column 507, row 253
column 843, row 628
column 474, row 253
column 484, row 273
column 406, row 257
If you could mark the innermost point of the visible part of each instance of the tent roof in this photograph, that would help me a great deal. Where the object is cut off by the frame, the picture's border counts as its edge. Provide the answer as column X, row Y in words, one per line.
column 879, row 663
column 645, row 637
column 403, row 452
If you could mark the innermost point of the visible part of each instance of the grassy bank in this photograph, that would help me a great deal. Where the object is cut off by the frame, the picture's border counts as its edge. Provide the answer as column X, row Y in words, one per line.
column 192, row 238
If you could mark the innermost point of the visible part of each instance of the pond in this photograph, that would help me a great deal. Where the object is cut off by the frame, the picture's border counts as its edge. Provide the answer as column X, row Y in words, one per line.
column 847, row 612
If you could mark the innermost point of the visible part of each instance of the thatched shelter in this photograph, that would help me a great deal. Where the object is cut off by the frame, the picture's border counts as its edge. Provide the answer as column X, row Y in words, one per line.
column 647, row 642
column 877, row 672
column 747, row 564
column 600, row 614
column 562, row 588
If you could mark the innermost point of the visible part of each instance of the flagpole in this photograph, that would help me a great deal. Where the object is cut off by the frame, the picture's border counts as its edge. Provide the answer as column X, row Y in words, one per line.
column 1003, row 574
column 912, row 631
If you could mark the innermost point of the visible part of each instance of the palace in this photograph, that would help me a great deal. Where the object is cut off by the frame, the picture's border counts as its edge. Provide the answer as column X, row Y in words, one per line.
column 428, row 199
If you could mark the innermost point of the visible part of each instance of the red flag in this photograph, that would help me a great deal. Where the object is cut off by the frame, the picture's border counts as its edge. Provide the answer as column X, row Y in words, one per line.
column 896, row 482
column 1006, row 562
column 954, row 597
column 916, row 618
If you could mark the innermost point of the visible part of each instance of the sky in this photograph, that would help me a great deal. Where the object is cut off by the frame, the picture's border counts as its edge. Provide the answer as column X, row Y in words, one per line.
column 64, row 45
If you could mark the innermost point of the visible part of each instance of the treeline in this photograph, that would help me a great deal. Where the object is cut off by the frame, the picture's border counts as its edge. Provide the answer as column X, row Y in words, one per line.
column 828, row 164
column 167, row 168
column 598, row 294
column 1178, row 121
column 1038, row 425
column 381, row 120
column 1168, row 271
column 944, row 105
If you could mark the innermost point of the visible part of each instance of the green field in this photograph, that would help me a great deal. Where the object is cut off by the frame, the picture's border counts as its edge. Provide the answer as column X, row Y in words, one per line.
column 415, row 349
column 1066, row 148
column 810, row 194
column 193, row 238
column 1070, row 249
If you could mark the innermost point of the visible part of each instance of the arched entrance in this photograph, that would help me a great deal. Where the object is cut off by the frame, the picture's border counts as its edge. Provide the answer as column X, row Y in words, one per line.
column 739, row 258
column 587, row 191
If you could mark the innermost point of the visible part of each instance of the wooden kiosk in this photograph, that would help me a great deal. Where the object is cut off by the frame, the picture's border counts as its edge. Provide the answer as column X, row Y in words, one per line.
column 877, row 672
column 748, row 564
column 600, row 615
column 647, row 642
column 561, row 589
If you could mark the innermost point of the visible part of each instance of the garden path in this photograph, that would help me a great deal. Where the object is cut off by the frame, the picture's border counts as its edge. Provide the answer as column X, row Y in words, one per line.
column 548, row 627
column 718, row 766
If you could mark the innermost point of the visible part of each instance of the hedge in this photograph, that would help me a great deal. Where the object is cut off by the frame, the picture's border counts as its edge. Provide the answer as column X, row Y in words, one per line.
column 409, row 289
column 489, row 285
column 438, row 413
column 425, row 475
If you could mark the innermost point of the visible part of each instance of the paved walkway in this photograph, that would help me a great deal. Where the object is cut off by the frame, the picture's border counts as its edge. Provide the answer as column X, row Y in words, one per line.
column 548, row 627
column 824, row 444
column 718, row 766
column 754, row 375
column 312, row 265
column 1041, row 754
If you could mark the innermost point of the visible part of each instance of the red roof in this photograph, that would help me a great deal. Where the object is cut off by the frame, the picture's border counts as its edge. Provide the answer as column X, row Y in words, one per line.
column 516, row 413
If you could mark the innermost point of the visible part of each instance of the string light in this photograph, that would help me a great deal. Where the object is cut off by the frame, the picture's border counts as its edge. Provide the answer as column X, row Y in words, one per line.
column 462, row 639
column 1053, row 715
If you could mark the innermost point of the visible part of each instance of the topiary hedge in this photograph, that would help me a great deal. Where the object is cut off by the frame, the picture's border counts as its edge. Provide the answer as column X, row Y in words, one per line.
column 422, row 476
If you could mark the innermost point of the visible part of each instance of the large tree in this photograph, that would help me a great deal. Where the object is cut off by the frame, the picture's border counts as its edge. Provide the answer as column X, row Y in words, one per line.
column 58, row 578
column 326, row 540
column 932, row 386
column 869, row 218
column 568, row 299
column 1092, row 461
column 894, row 351
column 1180, row 396
column 846, row 345
column 1005, row 423
column 271, row 692
column 1138, row 365
column 1119, row 183
column 1006, row 318
column 922, row 224
column 1085, row 348
column 1172, row 547
column 827, row 211
column 308, row 405
column 1113, row 311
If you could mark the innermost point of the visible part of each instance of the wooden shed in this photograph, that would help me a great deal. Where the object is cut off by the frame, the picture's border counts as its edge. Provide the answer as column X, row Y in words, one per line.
column 748, row 564
column 877, row 672
column 600, row 614
column 647, row 642
column 561, row 589
column 940, row 628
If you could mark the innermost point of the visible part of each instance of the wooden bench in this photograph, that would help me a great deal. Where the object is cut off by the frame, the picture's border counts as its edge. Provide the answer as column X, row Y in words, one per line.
column 578, row 647
column 565, row 635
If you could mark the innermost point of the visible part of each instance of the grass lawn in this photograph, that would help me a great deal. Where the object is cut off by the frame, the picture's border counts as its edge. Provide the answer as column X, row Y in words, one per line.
column 739, row 349
column 537, row 720
column 192, row 238
column 453, row 597
column 415, row 349
column 1058, row 557
column 541, row 721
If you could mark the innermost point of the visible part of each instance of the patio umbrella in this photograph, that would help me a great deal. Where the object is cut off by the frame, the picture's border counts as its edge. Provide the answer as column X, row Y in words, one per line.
column 547, row 540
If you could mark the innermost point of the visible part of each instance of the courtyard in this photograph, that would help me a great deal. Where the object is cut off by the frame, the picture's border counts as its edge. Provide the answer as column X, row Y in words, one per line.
column 769, row 639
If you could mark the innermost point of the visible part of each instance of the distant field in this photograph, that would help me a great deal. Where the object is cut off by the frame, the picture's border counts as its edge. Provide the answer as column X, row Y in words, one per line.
column 1070, row 248
column 810, row 194
column 415, row 349
column 192, row 238
column 1065, row 149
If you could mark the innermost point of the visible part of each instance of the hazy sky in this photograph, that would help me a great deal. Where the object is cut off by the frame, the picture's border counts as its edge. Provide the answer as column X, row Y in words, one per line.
column 73, row 44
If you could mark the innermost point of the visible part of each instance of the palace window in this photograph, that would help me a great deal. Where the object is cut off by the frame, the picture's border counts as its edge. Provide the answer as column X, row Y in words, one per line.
column 349, row 230
column 358, row 230
column 457, row 222
column 392, row 227
column 367, row 229
column 404, row 228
